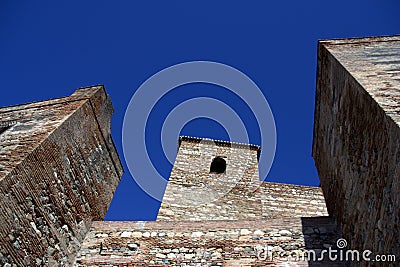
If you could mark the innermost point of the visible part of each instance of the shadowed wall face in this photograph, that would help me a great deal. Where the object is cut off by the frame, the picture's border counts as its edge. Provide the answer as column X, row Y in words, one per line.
column 357, row 139
column 58, row 172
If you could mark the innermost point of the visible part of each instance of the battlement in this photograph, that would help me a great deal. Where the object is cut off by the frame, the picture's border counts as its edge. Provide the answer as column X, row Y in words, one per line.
column 218, row 142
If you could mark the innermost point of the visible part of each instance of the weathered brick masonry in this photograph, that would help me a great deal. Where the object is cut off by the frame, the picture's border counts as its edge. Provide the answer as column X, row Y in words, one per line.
column 59, row 170
column 217, row 219
column 58, row 173
column 205, row 243
column 193, row 193
column 357, row 139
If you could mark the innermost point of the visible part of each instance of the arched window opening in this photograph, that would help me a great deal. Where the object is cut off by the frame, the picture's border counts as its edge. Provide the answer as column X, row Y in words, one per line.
column 218, row 165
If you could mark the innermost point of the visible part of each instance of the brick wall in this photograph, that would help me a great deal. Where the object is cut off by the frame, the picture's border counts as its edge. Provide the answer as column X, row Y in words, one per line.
column 58, row 172
column 208, row 243
column 193, row 193
column 225, row 219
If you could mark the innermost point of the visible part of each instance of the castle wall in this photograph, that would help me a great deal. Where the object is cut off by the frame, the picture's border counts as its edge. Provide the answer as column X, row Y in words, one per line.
column 193, row 193
column 244, row 217
column 288, row 200
column 208, row 243
column 357, row 139
column 58, row 172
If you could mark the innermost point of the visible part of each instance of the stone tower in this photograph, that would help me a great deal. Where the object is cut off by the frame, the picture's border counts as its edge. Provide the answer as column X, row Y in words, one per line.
column 58, row 172
column 216, row 212
column 196, row 192
column 212, row 180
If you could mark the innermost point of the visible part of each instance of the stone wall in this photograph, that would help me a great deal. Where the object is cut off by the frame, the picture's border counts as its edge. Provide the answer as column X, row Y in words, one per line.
column 225, row 219
column 289, row 200
column 208, row 243
column 58, row 172
column 193, row 193
column 357, row 139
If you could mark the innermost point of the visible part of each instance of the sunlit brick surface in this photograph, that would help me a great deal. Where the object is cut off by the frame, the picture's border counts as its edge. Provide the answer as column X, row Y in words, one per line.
column 58, row 172
column 206, row 243
column 210, row 219
column 59, row 169
column 193, row 193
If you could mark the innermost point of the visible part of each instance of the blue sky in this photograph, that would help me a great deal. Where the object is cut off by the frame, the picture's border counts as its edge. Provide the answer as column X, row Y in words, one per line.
column 49, row 48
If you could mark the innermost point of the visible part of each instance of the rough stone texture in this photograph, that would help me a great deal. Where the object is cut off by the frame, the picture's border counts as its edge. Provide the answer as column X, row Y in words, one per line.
column 357, row 139
column 193, row 193
column 226, row 219
column 58, row 173
column 59, row 169
column 207, row 243
column 288, row 200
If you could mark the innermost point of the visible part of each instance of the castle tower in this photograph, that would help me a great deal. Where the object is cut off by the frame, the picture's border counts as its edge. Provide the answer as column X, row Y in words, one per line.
column 216, row 212
column 63, row 170
column 58, row 172
column 196, row 190
column 212, row 180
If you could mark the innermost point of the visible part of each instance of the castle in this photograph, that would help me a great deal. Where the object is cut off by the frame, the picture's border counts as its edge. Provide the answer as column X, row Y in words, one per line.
column 59, row 170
